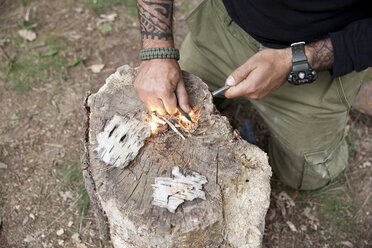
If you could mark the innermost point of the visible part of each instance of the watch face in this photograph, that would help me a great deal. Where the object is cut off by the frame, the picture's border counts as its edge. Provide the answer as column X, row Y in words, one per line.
column 302, row 77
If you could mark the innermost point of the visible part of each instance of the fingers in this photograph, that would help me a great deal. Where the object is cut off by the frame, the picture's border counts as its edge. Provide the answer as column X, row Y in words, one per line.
column 239, row 74
column 237, row 90
column 159, row 84
column 252, row 87
column 170, row 103
column 239, row 85
column 158, row 106
column 183, row 98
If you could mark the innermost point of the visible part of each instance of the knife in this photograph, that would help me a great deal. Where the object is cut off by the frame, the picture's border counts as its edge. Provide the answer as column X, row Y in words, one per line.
column 220, row 90
column 184, row 113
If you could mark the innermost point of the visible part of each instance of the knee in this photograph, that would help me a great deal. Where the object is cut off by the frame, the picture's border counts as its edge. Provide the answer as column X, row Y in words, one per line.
column 308, row 170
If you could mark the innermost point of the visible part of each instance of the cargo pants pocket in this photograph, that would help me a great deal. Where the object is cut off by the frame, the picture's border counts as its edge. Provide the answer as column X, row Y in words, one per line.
column 321, row 167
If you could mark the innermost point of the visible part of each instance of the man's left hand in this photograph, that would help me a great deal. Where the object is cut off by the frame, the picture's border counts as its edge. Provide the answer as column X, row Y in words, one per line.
column 264, row 72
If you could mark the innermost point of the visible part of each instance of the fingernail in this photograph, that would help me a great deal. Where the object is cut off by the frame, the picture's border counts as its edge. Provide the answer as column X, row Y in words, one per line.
column 230, row 81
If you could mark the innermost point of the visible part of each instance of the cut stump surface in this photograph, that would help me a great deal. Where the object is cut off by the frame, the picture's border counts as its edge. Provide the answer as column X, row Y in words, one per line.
column 238, row 175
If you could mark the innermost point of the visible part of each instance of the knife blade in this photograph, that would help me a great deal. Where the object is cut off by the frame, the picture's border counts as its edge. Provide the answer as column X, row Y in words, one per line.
column 184, row 113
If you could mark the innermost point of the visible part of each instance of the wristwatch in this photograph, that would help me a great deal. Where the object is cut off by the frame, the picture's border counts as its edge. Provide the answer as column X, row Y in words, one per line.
column 301, row 72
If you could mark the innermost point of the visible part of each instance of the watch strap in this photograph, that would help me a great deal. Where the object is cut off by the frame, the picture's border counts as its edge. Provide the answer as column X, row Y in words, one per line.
column 299, row 59
column 159, row 53
column 301, row 71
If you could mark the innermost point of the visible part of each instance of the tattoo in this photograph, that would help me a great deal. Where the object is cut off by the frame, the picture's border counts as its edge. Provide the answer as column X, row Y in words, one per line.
column 321, row 54
column 156, row 18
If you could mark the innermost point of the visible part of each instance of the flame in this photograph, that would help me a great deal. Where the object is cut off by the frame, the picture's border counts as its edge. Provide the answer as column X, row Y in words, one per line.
column 185, row 123
column 153, row 126
column 157, row 123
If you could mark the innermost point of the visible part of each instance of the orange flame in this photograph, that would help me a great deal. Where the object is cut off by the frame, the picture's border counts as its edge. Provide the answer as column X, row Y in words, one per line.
column 189, row 126
column 153, row 126
column 185, row 123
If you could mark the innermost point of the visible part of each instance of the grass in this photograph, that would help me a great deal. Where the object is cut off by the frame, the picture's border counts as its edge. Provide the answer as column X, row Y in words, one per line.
column 72, row 179
column 336, row 210
column 34, row 66
column 101, row 6
column 23, row 2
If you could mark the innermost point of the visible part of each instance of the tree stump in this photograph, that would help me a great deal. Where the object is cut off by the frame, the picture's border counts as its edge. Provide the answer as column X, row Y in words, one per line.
column 210, row 189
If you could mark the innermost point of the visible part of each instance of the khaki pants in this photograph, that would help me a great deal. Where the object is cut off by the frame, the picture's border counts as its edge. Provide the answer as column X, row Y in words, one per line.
column 307, row 148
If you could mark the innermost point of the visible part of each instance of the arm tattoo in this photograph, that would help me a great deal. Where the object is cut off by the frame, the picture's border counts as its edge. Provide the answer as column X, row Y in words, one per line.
column 156, row 18
column 321, row 54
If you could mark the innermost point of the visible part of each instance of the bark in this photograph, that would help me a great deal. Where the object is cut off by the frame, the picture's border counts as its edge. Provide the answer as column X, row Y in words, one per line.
column 231, row 174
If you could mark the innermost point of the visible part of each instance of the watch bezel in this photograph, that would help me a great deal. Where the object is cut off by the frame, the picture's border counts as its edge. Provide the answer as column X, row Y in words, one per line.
column 310, row 76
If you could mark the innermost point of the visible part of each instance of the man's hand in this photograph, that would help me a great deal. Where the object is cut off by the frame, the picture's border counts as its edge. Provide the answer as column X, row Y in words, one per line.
column 267, row 70
column 261, row 74
column 159, row 84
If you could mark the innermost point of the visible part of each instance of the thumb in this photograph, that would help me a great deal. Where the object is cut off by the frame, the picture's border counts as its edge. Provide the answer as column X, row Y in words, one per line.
column 238, row 75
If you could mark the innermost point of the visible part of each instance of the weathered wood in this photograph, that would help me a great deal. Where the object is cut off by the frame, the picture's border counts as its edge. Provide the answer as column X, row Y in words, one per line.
column 237, row 190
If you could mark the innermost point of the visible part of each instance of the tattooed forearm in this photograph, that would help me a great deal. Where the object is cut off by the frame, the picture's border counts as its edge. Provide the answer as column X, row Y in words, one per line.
column 320, row 54
column 156, row 19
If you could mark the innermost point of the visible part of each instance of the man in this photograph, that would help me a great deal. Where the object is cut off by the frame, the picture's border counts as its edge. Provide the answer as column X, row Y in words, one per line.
column 302, row 92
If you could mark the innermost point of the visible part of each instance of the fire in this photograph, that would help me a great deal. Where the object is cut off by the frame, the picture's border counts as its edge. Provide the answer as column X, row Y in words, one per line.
column 155, row 123
column 160, row 123
column 187, row 125
column 153, row 126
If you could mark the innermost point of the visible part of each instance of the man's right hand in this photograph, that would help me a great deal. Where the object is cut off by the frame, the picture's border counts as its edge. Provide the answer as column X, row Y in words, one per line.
column 159, row 84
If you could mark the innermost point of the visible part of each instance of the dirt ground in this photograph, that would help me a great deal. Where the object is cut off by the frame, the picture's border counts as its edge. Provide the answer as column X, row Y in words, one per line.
column 42, row 86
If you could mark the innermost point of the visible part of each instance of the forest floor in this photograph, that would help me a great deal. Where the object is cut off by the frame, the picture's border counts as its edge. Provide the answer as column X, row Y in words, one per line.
column 43, row 202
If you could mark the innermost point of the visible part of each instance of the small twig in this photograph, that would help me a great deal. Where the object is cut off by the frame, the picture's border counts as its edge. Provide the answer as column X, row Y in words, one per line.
column 10, row 66
column 157, row 119
column 348, row 181
column 135, row 177
column 4, row 54
column 173, row 127
column 361, row 207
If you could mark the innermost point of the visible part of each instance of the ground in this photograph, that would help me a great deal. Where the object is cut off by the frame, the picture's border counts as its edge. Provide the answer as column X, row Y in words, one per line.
column 43, row 82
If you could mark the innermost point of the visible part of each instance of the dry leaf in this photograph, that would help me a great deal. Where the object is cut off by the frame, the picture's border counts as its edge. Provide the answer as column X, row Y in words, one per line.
column 291, row 226
column 3, row 166
column 347, row 244
column 80, row 245
column 96, row 68
column 27, row 34
column 27, row 15
column 60, row 232
column 109, row 18
column 106, row 18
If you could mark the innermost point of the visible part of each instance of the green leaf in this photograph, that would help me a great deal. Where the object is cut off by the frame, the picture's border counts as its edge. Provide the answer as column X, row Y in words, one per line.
column 55, row 105
column 36, row 54
column 50, row 53
column 71, row 229
column 76, row 62
column 65, row 123
column 50, row 91
column 15, row 117
column 23, row 24
column 104, row 27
